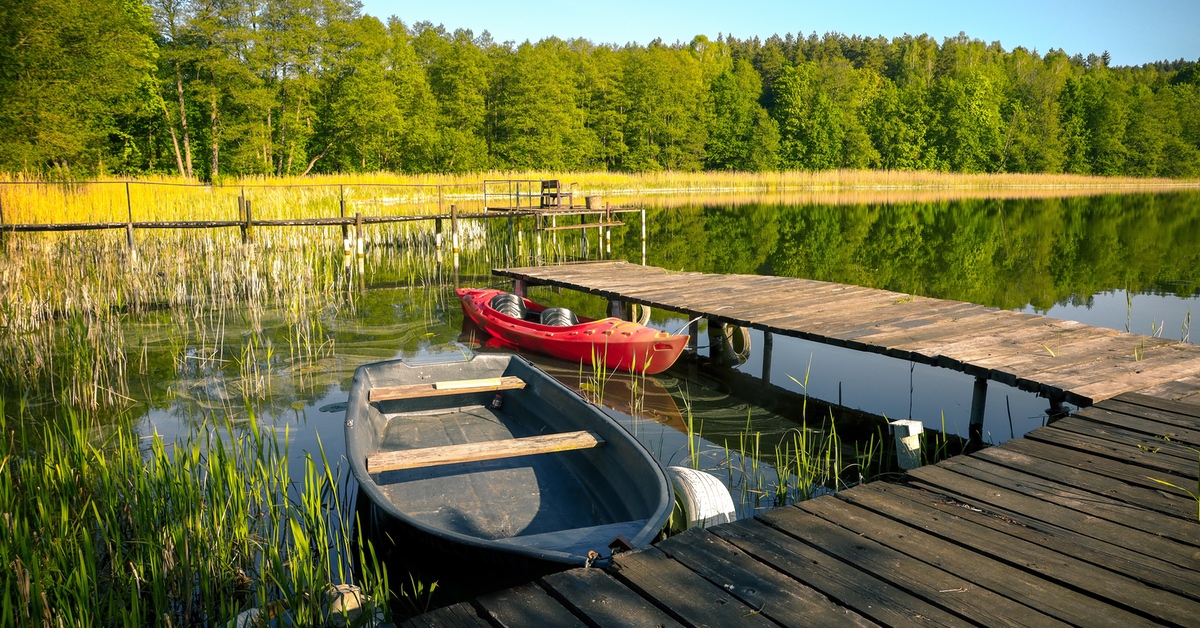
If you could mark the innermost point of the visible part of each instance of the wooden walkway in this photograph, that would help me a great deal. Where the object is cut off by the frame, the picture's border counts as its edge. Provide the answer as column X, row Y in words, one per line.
column 1066, row 526
column 1061, row 360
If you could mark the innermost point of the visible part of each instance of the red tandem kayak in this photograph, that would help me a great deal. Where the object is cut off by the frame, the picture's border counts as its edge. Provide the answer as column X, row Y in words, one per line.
column 618, row 344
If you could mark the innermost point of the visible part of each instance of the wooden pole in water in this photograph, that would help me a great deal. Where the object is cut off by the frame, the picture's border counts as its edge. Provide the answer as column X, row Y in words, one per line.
column 644, row 238
column 978, row 403
column 694, row 336
column 342, row 208
column 768, row 345
column 247, row 228
column 454, row 234
column 607, row 231
column 129, row 210
column 358, row 234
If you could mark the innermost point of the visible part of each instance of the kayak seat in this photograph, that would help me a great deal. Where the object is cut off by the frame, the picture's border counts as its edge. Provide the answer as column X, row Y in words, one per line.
column 559, row 317
column 508, row 304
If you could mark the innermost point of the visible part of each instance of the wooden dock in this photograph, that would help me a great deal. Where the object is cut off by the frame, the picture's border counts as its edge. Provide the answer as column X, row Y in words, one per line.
column 1058, row 359
column 1066, row 526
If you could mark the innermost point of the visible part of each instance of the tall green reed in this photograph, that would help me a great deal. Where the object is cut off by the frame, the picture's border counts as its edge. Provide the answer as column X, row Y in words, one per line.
column 106, row 532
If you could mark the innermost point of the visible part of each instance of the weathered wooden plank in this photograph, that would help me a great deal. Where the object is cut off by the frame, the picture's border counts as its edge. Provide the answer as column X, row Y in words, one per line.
column 598, row 596
column 779, row 597
column 436, row 389
column 1185, row 389
column 1137, row 419
column 1151, row 464
column 1175, row 528
column 475, row 452
column 1098, row 475
column 1167, row 419
column 985, row 321
column 1103, row 571
column 1015, row 583
column 1025, row 367
column 1117, row 434
column 910, row 314
column 1168, row 405
column 693, row 599
column 999, row 495
column 937, row 586
column 461, row 615
column 526, row 605
column 866, row 595
column 1012, row 345
column 1157, row 368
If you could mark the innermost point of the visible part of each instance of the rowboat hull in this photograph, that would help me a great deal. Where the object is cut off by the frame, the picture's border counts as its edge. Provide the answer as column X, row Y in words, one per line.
column 612, row 342
column 515, row 516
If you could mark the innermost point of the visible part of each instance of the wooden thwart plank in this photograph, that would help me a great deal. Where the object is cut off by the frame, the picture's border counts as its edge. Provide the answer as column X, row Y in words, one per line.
column 455, row 387
column 474, row 452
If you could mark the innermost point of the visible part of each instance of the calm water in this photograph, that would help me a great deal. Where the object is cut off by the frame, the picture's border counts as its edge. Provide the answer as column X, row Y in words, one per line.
column 1126, row 262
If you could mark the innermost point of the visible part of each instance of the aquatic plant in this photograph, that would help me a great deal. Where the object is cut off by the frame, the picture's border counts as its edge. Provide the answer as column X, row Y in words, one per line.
column 105, row 531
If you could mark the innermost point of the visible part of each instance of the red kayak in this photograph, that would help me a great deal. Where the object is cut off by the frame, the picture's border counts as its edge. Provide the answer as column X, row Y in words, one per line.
column 522, row 324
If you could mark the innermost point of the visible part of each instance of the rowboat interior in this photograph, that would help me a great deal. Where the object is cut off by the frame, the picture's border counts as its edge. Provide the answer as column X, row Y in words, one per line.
column 491, row 455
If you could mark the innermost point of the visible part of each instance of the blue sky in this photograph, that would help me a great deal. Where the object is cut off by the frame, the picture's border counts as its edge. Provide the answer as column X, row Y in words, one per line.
column 1133, row 31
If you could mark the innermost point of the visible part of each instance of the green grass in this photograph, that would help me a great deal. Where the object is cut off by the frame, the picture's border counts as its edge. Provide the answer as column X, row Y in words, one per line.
column 105, row 530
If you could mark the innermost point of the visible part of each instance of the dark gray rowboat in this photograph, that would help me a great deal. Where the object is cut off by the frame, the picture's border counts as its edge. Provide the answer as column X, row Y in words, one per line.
column 532, row 486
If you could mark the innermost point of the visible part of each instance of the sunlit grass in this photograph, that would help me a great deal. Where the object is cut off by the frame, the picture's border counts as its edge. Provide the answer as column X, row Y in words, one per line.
column 386, row 194
column 103, row 530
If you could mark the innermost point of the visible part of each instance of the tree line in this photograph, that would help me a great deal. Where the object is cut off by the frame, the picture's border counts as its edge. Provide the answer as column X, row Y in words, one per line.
column 215, row 88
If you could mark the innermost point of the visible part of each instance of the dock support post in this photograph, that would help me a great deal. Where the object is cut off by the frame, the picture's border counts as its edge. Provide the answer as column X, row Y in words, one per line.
column 616, row 309
column 694, row 336
column 1056, row 410
column 519, row 287
column 437, row 238
column 607, row 231
column 454, row 245
column 908, row 442
column 978, row 403
column 129, row 225
column 342, row 212
column 358, row 235
column 247, row 226
column 537, row 236
column 643, row 237
column 768, row 345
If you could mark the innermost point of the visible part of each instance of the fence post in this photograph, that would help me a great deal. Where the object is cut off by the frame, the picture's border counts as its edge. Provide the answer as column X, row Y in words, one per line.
column 129, row 224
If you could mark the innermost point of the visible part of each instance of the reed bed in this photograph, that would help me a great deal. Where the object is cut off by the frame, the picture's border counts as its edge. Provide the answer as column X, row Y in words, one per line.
column 31, row 201
column 103, row 531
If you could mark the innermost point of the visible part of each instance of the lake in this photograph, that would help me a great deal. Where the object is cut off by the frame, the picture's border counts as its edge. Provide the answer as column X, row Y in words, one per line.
column 195, row 332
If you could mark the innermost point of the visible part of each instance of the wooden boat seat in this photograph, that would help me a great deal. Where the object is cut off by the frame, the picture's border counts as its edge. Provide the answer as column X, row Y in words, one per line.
column 474, row 452
column 455, row 387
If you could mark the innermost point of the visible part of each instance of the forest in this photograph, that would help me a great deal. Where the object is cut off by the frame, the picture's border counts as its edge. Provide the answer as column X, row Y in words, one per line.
column 205, row 89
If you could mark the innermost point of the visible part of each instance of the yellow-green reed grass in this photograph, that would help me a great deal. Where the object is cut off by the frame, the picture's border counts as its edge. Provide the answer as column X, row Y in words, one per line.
column 165, row 198
column 101, row 532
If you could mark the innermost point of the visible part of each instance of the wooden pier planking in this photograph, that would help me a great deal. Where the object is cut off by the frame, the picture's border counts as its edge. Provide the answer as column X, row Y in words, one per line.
column 1063, row 360
column 1062, row 527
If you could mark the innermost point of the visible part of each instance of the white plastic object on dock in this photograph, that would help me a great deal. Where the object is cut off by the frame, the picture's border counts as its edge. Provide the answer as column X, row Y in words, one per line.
column 908, row 442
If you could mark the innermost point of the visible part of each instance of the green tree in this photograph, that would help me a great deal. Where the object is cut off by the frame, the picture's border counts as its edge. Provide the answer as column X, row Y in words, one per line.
column 664, row 125
column 536, row 120
column 458, row 69
column 741, row 136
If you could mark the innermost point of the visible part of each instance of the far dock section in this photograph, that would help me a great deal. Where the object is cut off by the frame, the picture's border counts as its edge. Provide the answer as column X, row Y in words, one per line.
column 1065, row 526
column 1058, row 359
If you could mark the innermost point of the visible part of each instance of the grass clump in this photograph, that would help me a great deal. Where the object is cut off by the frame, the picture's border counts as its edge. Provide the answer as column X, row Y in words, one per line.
column 103, row 532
